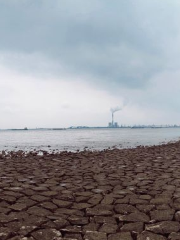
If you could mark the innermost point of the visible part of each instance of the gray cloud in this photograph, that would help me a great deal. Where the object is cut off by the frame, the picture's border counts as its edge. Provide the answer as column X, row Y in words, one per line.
column 114, row 43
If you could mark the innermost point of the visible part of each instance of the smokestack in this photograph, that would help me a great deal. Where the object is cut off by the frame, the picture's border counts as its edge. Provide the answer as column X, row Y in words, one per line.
column 112, row 119
column 113, row 110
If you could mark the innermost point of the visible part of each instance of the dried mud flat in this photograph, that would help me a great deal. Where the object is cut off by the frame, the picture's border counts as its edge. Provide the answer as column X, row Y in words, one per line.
column 109, row 195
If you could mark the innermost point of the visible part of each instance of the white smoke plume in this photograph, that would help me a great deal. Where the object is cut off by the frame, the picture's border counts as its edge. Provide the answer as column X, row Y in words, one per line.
column 113, row 110
column 116, row 109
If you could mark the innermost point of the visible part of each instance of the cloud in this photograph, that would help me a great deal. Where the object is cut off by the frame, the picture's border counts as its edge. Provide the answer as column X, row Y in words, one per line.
column 67, row 62
column 54, row 102
column 35, row 102
column 122, row 43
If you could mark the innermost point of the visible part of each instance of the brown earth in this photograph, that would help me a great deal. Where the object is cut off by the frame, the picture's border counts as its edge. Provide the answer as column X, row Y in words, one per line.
column 108, row 195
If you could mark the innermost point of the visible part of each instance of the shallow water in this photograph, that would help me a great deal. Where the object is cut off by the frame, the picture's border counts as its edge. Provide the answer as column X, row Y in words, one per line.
column 78, row 139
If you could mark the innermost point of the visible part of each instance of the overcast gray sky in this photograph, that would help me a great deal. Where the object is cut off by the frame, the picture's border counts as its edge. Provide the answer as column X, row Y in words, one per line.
column 67, row 62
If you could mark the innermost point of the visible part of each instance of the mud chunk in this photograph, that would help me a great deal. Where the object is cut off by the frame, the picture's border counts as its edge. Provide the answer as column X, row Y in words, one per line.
column 135, row 217
column 7, row 218
column 150, row 236
column 61, row 203
column 135, row 227
column 95, row 236
column 91, row 227
column 75, row 220
column 39, row 211
column 177, row 216
column 120, row 236
column 5, row 233
column 60, row 223
column 174, row 236
column 125, row 208
column 47, row 234
column 73, row 236
column 102, row 219
column 72, row 229
column 18, row 206
column 145, row 208
column 48, row 205
column 49, row 193
column 160, row 200
column 162, row 215
column 108, row 199
column 163, row 227
column 98, row 212
column 95, row 199
column 81, row 206
column 108, row 228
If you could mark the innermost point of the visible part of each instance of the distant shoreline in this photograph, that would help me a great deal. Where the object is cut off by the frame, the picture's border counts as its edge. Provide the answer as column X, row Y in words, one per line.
column 78, row 128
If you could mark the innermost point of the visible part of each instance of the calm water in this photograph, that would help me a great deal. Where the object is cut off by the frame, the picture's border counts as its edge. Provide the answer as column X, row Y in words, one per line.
column 95, row 139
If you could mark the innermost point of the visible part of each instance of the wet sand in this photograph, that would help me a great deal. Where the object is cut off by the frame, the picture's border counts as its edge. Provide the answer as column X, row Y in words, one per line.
column 107, row 195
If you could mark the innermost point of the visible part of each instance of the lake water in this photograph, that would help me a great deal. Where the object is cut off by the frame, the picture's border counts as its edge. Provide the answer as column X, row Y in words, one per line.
column 78, row 139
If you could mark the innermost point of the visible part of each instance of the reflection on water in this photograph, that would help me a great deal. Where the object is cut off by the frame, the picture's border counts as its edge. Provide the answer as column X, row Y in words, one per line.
column 78, row 139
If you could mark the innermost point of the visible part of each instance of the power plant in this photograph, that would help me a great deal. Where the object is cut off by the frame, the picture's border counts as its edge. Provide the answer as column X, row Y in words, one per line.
column 113, row 124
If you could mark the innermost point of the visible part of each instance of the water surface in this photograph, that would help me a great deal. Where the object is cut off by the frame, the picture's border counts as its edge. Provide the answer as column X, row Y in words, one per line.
column 78, row 139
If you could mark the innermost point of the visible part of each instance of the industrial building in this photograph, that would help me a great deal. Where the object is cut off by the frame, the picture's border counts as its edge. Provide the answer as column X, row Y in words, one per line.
column 113, row 124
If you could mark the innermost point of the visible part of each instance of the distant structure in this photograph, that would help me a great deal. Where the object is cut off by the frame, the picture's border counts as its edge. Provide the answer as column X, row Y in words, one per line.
column 113, row 124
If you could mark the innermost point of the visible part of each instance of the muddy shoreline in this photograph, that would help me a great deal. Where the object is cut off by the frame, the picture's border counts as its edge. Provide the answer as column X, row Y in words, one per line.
column 118, row 194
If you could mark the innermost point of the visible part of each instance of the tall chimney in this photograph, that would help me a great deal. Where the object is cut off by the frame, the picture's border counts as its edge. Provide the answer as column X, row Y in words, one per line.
column 112, row 119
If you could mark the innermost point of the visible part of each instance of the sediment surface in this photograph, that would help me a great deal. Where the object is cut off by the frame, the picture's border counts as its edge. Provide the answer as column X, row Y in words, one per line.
column 109, row 195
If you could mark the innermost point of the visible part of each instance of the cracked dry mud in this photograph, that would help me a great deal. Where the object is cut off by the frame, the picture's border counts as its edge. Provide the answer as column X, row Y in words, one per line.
column 124, row 194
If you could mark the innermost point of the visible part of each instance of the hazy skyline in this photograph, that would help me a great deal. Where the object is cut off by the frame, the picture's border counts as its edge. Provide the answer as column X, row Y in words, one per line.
column 67, row 63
